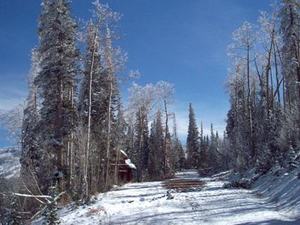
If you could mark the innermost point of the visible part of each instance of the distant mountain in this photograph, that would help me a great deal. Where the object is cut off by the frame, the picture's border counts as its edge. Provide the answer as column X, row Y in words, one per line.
column 9, row 162
column 4, row 141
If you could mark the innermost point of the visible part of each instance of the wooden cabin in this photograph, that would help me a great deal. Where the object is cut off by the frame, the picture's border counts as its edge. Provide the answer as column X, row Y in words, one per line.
column 124, row 167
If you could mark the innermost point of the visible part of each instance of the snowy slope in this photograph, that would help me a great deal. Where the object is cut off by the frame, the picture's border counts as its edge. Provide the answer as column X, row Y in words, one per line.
column 282, row 188
column 146, row 203
column 9, row 162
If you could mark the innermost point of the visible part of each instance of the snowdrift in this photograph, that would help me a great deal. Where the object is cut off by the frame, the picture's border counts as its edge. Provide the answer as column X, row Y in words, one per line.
column 282, row 188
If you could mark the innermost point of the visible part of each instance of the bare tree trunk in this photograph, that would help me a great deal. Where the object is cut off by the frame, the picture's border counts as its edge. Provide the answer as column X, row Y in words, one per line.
column 87, row 150
column 108, row 53
column 116, row 174
column 141, row 140
column 267, row 74
column 249, row 102
column 69, row 157
column 166, row 136
column 108, row 136
column 283, row 78
column 277, row 76
column 58, row 125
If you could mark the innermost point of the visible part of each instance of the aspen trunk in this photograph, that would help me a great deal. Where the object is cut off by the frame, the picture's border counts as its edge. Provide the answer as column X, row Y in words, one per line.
column 87, row 150
column 108, row 137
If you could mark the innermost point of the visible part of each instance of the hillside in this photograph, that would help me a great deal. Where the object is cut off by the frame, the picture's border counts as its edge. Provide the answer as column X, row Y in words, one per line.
column 9, row 162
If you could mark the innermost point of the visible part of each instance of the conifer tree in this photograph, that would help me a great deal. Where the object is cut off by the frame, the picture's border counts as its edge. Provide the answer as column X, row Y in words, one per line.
column 30, row 157
column 51, row 211
column 141, row 144
column 156, row 151
column 178, row 155
column 192, row 141
column 203, row 150
column 15, row 217
column 56, row 85
column 290, row 30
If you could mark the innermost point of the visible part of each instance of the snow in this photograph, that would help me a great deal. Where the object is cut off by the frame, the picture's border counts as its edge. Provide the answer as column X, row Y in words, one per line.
column 9, row 162
column 124, row 153
column 146, row 203
column 282, row 188
column 130, row 164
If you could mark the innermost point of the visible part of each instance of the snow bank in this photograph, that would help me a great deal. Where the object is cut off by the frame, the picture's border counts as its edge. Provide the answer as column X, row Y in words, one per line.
column 9, row 162
column 281, row 188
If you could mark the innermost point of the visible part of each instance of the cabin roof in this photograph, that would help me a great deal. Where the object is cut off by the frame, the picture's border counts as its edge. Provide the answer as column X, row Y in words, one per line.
column 130, row 164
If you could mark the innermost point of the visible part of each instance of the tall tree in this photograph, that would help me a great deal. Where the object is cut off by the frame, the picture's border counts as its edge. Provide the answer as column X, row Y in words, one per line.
column 99, row 100
column 31, row 155
column 111, row 99
column 89, row 105
column 177, row 155
column 290, row 30
column 156, row 150
column 165, row 92
column 141, row 143
column 56, row 85
column 192, row 143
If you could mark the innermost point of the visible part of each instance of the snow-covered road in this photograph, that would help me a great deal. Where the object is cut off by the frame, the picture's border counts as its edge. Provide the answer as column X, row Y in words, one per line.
column 146, row 203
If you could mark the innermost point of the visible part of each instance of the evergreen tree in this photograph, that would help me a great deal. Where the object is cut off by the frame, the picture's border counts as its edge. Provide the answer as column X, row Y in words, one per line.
column 56, row 85
column 168, row 154
column 141, row 144
column 179, row 155
column 290, row 30
column 31, row 155
column 15, row 217
column 237, row 128
column 193, row 145
column 203, row 150
column 51, row 212
column 156, row 152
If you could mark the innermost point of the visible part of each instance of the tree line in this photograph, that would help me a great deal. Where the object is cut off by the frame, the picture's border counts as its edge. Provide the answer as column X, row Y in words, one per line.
column 263, row 122
column 74, row 122
column 204, row 151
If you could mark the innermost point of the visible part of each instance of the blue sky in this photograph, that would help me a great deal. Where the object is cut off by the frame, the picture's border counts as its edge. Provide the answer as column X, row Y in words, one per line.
column 181, row 41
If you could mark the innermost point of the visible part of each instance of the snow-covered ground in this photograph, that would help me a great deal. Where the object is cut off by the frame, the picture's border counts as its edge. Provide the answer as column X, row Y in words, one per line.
column 281, row 188
column 9, row 162
column 146, row 203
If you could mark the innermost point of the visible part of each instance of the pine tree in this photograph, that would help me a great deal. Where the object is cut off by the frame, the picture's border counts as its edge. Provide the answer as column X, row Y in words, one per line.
column 156, row 152
column 290, row 29
column 56, row 84
column 51, row 212
column 141, row 144
column 178, row 155
column 168, row 152
column 15, row 217
column 237, row 119
column 30, row 157
column 179, row 158
column 203, row 150
column 193, row 145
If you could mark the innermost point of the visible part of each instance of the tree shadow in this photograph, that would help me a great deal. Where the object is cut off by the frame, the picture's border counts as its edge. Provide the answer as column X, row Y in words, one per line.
column 273, row 222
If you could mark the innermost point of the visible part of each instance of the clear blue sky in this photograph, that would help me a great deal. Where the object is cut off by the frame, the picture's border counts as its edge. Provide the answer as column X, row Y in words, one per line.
column 180, row 41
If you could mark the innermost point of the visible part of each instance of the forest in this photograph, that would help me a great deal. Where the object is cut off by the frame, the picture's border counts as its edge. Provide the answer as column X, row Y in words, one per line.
column 77, row 123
